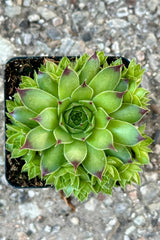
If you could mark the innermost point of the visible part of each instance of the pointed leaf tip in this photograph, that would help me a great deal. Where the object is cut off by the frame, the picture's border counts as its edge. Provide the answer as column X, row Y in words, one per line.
column 66, row 71
column 44, row 171
column 117, row 68
column 94, row 56
column 75, row 164
column 37, row 119
column 120, row 94
column 140, row 138
column 84, row 84
column 143, row 111
column 22, row 92
column 99, row 174
column 112, row 147
column 27, row 144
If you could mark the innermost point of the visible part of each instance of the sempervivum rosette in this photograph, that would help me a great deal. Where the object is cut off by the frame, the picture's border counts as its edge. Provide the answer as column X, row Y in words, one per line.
column 77, row 122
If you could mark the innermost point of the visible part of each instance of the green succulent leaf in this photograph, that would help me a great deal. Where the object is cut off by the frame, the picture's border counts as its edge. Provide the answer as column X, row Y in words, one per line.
column 110, row 101
column 129, row 113
column 24, row 115
column 52, row 159
column 105, row 139
column 48, row 118
column 90, row 69
column 101, row 118
column 62, row 105
column 62, row 136
column 121, row 152
column 75, row 152
column 39, row 139
column 83, row 92
column 106, row 79
column 69, row 81
column 124, row 133
column 32, row 99
column 46, row 83
column 95, row 161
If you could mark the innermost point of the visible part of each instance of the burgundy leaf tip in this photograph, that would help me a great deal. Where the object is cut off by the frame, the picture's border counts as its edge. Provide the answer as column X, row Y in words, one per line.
column 120, row 94
column 58, row 142
column 143, row 111
column 83, row 139
column 12, row 113
column 44, row 171
column 84, row 84
column 66, row 71
column 22, row 92
column 40, row 73
column 99, row 174
column 59, row 102
column 140, row 138
column 37, row 119
column 130, row 160
column 27, row 144
column 109, row 118
column 91, row 103
column 94, row 56
column 126, row 80
column 118, row 67
column 112, row 147
column 75, row 164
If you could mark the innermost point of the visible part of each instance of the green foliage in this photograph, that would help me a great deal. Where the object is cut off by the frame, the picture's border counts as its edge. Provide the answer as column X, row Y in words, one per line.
column 75, row 124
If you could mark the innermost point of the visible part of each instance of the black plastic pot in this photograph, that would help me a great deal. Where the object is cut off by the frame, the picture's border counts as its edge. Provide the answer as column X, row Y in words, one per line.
column 14, row 69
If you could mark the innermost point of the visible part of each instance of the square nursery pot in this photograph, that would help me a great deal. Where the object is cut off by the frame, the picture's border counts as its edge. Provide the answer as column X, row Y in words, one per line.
column 15, row 68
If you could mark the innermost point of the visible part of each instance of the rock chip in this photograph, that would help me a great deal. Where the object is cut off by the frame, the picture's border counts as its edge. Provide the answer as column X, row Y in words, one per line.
column 152, row 5
column 118, row 23
column 139, row 220
column 30, row 210
column 74, row 220
column 122, row 12
column 57, row 21
column 46, row 13
column 9, row 50
column 149, row 192
column 91, row 204
column 12, row 11
column 33, row 18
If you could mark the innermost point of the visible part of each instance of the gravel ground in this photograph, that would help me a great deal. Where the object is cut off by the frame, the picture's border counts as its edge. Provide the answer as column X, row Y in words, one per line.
column 130, row 28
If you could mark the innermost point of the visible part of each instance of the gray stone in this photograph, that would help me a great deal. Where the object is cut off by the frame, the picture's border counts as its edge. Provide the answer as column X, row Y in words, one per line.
column 118, row 23
column 74, row 220
column 9, row 2
column 157, row 77
column 12, row 11
column 27, row 38
column 151, row 40
column 57, row 21
column 46, row 13
column 122, row 12
column 33, row 17
column 133, row 19
column 54, row 34
column 91, row 204
column 66, row 45
column 140, row 9
column 123, row 211
column 31, row 193
column 61, row 2
column 55, row 229
column 115, row 48
column 9, row 50
column 152, row 5
column 111, row 1
column 79, row 17
column 27, row 3
column 101, row 7
column 139, row 220
column 130, row 230
column 48, row 229
column 154, row 61
column 30, row 210
column 41, row 48
column 149, row 192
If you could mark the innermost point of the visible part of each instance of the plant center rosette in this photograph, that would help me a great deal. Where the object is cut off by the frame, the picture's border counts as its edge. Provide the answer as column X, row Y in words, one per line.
column 77, row 122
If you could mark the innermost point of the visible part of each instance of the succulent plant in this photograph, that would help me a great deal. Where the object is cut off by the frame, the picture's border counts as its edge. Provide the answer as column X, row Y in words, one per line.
column 75, row 124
